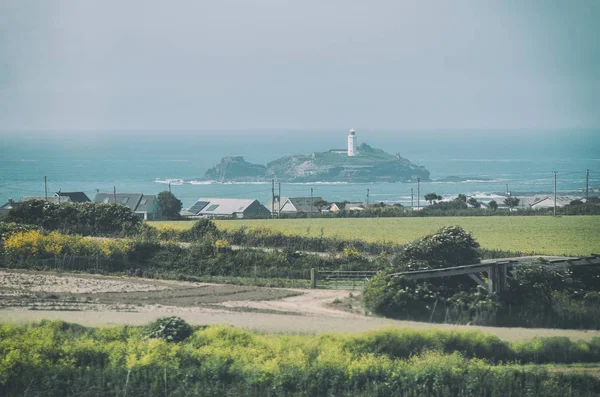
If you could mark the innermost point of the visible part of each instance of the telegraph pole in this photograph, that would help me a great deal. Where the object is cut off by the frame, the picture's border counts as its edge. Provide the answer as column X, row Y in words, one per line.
column 554, row 193
column 507, row 192
column 169, row 187
column 411, row 197
column 272, row 198
column 418, row 193
column 115, row 193
column 587, row 184
column 311, row 200
column 45, row 189
column 278, row 199
column 367, row 197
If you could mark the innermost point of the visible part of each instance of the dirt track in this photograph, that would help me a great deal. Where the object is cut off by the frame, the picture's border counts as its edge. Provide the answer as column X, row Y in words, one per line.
column 100, row 300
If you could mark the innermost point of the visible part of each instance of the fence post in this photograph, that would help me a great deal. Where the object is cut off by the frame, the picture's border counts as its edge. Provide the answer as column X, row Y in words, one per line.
column 313, row 278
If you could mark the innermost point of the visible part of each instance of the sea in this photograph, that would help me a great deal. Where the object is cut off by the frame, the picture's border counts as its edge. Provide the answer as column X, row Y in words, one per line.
column 490, row 163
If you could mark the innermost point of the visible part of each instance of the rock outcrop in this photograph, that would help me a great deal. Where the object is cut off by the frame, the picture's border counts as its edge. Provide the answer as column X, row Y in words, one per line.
column 371, row 165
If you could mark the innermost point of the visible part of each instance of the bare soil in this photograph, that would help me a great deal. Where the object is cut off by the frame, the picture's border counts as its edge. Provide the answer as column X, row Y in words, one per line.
column 28, row 296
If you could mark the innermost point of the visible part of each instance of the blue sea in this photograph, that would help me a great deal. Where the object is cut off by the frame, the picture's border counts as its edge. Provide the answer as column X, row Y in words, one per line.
column 491, row 162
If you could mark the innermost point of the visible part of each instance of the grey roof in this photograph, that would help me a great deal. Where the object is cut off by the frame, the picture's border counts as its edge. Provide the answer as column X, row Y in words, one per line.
column 51, row 199
column 304, row 204
column 130, row 200
column 146, row 203
column 76, row 197
column 225, row 206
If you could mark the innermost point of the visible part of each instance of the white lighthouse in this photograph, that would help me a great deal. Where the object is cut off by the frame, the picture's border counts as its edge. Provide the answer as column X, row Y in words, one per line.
column 352, row 143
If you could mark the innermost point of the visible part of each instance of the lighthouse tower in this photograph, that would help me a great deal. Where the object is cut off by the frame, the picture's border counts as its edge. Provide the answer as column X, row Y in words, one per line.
column 352, row 143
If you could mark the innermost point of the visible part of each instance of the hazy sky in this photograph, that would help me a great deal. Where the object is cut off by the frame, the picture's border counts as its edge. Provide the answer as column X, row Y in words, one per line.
column 197, row 64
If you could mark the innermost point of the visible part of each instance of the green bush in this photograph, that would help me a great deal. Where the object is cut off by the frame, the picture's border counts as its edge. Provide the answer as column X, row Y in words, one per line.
column 89, row 218
column 171, row 329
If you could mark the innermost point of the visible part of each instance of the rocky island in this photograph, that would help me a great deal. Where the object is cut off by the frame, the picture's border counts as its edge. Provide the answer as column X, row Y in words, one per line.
column 357, row 164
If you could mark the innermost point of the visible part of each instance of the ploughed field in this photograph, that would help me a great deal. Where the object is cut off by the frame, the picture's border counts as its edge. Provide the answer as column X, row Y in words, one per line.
column 29, row 296
column 544, row 235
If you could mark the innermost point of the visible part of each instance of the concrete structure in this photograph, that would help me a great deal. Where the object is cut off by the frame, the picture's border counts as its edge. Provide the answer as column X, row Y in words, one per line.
column 145, row 206
column 228, row 208
column 352, row 143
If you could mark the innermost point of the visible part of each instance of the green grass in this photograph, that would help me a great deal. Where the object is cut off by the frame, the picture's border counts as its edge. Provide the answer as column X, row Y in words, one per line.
column 572, row 235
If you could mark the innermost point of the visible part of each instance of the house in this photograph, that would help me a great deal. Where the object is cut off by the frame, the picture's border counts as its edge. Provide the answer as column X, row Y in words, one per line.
column 145, row 206
column 275, row 205
column 548, row 202
column 297, row 205
column 228, row 208
column 148, row 208
column 74, row 197
column 6, row 207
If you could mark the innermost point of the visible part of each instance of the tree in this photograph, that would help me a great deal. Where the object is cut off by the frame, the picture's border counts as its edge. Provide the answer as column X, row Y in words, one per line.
column 493, row 205
column 431, row 197
column 461, row 197
column 474, row 203
column 512, row 202
column 169, row 206
column 320, row 204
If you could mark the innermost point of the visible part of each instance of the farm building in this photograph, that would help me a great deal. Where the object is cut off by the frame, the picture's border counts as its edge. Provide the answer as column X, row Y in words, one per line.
column 145, row 206
column 297, row 205
column 227, row 208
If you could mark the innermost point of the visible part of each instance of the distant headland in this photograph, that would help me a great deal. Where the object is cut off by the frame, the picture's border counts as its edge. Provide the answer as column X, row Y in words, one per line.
column 356, row 164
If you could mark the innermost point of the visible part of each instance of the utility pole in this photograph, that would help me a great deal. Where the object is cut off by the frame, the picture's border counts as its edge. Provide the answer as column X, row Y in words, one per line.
column 367, row 197
column 418, row 193
column 45, row 189
column 587, row 184
column 411, row 197
column 169, row 187
column 311, row 200
column 272, row 198
column 507, row 192
column 554, row 193
column 278, row 199
column 115, row 193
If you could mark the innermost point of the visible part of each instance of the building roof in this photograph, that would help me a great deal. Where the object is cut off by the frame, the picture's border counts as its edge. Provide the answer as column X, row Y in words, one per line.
column 548, row 201
column 130, row 200
column 303, row 204
column 146, row 203
column 51, row 199
column 221, row 206
column 76, row 197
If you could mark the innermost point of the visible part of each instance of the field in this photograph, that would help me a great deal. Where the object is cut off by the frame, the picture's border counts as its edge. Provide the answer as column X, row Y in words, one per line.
column 571, row 236
column 93, row 300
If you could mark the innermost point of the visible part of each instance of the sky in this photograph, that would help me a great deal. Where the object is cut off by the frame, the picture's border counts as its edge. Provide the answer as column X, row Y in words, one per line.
column 273, row 64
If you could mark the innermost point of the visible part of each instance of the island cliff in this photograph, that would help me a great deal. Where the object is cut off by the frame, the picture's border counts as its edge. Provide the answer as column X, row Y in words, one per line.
column 370, row 165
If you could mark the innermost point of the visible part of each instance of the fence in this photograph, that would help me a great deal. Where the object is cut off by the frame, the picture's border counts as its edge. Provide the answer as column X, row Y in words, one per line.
column 339, row 278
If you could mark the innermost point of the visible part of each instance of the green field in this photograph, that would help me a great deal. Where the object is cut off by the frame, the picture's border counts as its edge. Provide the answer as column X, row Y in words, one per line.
column 572, row 235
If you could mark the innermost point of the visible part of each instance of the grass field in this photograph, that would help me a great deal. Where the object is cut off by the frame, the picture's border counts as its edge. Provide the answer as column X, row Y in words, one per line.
column 572, row 235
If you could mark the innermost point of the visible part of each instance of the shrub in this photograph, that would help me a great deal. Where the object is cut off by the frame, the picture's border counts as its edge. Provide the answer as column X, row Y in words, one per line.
column 449, row 246
column 171, row 329
column 81, row 218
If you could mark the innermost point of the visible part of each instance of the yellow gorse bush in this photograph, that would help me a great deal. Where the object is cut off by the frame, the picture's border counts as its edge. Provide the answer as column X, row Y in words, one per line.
column 35, row 243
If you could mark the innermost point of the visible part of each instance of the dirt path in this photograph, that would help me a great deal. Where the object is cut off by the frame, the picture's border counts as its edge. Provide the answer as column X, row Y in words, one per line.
column 102, row 300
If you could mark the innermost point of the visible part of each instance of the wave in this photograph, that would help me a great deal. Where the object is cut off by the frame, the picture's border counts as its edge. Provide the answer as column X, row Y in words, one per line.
column 173, row 181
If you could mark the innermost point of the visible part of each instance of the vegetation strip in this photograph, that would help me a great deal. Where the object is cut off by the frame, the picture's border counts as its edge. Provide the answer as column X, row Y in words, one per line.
column 171, row 358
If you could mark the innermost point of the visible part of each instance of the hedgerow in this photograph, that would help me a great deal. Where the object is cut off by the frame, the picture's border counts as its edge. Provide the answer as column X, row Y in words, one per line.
column 56, row 358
